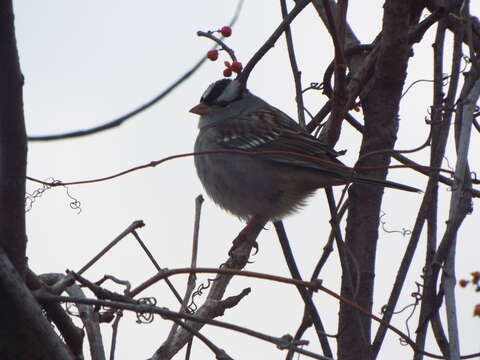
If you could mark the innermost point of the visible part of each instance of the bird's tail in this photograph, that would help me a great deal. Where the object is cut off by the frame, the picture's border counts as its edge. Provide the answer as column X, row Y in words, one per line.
column 391, row 184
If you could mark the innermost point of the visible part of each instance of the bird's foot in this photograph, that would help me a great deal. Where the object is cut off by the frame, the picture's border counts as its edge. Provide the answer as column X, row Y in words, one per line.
column 244, row 239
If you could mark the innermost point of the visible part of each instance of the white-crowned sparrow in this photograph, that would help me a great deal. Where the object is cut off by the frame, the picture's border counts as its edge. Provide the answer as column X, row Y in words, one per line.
column 273, row 184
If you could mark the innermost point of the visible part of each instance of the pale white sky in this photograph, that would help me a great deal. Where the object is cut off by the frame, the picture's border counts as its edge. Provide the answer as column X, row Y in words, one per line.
column 88, row 62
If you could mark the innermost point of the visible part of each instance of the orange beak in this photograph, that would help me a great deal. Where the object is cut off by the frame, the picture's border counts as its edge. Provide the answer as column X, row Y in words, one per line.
column 200, row 109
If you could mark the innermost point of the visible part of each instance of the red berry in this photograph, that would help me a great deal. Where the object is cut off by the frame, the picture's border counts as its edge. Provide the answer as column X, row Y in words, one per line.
column 227, row 72
column 463, row 283
column 226, row 31
column 236, row 67
column 212, row 55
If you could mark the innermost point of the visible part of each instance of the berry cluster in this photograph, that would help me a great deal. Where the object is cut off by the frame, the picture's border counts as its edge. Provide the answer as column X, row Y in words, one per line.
column 235, row 66
column 475, row 281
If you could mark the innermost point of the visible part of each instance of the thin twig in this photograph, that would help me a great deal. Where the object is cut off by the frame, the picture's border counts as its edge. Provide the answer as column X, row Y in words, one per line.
column 425, row 170
column 196, row 229
column 429, row 207
column 312, row 285
column 86, row 313
column 238, row 152
column 193, row 264
column 143, row 308
column 331, row 132
column 223, row 46
column 170, row 315
column 270, row 42
column 214, row 306
column 409, row 341
column 133, row 226
column 297, row 74
column 459, row 208
column 394, row 151
column 344, row 254
column 328, row 248
column 116, row 323
column 67, row 280
column 220, row 354
column 157, row 266
column 304, row 293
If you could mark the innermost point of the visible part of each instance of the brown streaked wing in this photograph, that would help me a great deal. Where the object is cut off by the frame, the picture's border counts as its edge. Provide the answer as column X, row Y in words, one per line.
column 273, row 130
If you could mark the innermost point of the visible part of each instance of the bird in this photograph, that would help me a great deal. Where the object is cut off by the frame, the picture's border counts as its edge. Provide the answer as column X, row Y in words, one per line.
column 253, row 159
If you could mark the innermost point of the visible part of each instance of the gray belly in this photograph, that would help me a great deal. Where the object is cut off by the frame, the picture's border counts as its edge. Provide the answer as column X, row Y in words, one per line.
column 247, row 186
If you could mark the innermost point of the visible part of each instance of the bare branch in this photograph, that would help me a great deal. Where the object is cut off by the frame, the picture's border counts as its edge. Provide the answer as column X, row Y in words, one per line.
column 297, row 74
column 72, row 334
column 86, row 313
column 13, row 285
column 239, row 255
column 223, row 46
column 459, row 207
column 299, row 6
column 135, row 225
column 304, row 293
column 220, row 354
column 380, row 107
column 115, row 325
column 428, row 203
column 282, row 342
column 145, row 308
column 157, row 266
column 193, row 264
column 331, row 132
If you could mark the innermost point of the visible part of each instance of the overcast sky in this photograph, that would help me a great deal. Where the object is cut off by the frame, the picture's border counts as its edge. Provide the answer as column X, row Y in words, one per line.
column 88, row 62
